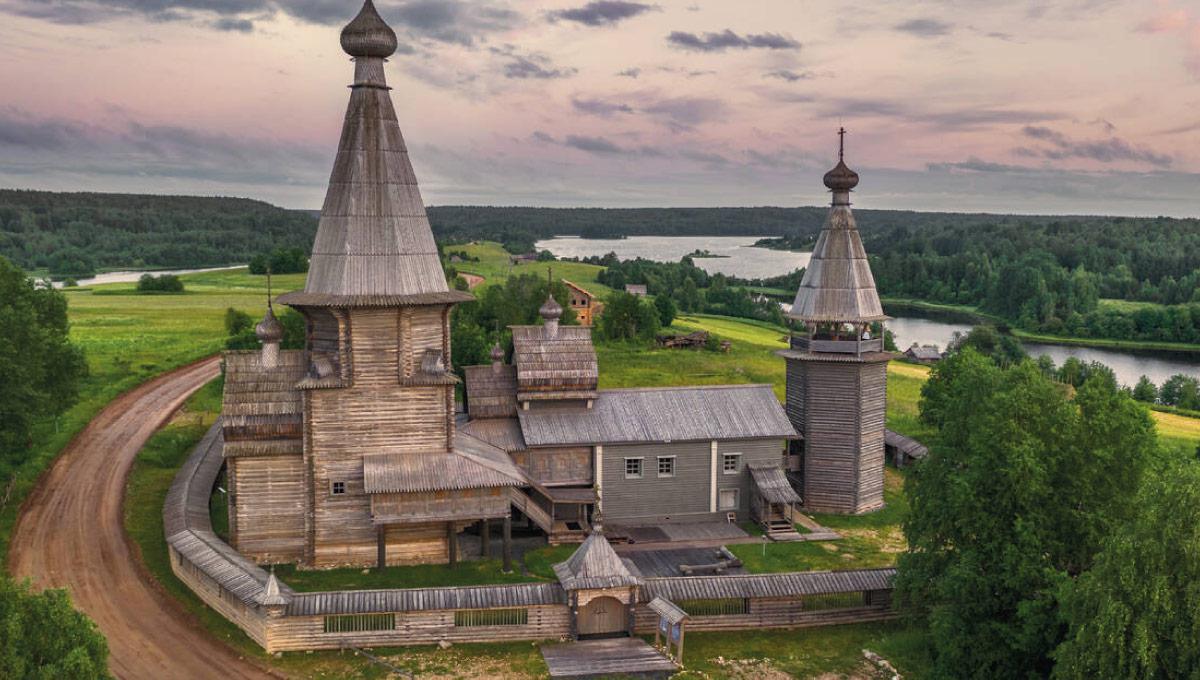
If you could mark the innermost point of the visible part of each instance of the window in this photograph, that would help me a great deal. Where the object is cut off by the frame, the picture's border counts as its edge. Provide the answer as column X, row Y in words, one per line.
column 727, row 499
column 466, row 618
column 633, row 468
column 717, row 607
column 731, row 463
column 356, row 623
column 337, row 488
column 666, row 466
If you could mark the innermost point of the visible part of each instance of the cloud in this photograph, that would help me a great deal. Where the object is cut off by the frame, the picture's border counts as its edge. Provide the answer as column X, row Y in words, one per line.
column 232, row 24
column 790, row 76
column 684, row 113
column 974, row 164
column 600, row 107
column 602, row 12
column 949, row 119
column 727, row 39
column 530, row 66
column 925, row 28
column 596, row 145
column 1170, row 21
column 1105, row 150
column 630, row 73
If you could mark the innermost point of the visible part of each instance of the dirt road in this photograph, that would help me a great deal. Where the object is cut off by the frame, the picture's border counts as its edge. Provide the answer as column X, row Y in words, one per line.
column 70, row 535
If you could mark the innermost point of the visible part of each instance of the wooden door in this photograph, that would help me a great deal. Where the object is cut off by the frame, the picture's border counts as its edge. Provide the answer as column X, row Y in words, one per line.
column 603, row 616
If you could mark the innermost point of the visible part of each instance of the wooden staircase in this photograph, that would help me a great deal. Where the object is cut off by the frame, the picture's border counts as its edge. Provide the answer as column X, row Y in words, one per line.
column 557, row 531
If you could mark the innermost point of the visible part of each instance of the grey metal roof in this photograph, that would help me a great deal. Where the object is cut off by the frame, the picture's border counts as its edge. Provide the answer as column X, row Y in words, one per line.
column 667, row 610
column 419, row 599
column 558, row 360
column 772, row 483
column 680, row 588
column 373, row 244
column 837, row 284
column 663, row 414
column 491, row 391
column 925, row 352
column 594, row 565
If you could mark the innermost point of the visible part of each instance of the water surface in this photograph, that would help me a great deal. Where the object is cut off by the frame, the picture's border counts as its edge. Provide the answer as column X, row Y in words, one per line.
column 741, row 258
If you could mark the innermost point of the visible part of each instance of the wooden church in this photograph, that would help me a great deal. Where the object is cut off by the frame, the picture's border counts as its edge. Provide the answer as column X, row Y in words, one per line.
column 350, row 452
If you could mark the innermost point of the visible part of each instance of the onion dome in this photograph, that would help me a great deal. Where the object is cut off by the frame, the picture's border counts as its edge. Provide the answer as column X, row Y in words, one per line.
column 497, row 353
column 269, row 330
column 368, row 35
column 841, row 178
column 550, row 310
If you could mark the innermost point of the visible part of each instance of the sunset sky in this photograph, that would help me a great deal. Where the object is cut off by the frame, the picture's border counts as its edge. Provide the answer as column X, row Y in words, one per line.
column 1062, row 106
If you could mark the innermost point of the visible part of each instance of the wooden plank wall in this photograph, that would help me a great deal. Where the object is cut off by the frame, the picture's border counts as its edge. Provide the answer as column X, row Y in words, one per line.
column 267, row 507
column 557, row 466
column 250, row 619
column 784, row 612
column 294, row 633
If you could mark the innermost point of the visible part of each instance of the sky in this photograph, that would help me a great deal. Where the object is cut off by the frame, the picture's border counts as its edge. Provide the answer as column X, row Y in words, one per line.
column 1013, row 106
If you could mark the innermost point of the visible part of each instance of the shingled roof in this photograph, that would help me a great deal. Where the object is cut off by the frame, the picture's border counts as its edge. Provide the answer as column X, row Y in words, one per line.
column 261, row 403
column 594, row 565
column 663, row 414
column 373, row 245
column 837, row 284
column 491, row 391
column 772, row 483
column 555, row 363
column 473, row 464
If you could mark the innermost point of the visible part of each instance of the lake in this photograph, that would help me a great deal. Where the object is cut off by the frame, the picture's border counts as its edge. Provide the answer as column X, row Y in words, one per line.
column 130, row 277
column 741, row 259
column 1128, row 366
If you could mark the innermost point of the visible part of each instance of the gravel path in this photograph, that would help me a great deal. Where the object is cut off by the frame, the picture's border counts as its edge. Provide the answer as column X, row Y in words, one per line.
column 70, row 535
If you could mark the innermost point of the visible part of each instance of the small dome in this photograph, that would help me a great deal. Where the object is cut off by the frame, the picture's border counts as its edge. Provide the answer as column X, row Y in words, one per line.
column 497, row 352
column 368, row 35
column 550, row 310
column 841, row 178
column 269, row 329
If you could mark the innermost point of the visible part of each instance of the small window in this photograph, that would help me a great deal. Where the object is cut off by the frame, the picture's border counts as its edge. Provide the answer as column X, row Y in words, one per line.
column 731, row 463
column 358, row 623
column 666, row 466
column 470, row 618
column 337, row 488
column 633, row 468
column 727, row 499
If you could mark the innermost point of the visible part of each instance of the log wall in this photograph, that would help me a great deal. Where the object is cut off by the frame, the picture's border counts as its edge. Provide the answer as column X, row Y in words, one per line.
column 557, row 466
column 771, row 613
column 266, row 507
column 251, row 619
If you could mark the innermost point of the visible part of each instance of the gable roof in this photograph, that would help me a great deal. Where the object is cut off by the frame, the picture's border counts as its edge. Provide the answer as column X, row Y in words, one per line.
column 663, row 414
column 772, row 483
column 594, row 565
column 503, row 433
column 549, row 363
column 472, row 464
column 926, row 352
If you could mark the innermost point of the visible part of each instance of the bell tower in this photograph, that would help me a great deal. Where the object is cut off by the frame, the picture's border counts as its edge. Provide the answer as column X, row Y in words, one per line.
column 836, row 364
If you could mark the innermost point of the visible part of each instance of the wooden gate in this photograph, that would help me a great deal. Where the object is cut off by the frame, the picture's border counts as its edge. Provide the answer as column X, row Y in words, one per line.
column 603, row 616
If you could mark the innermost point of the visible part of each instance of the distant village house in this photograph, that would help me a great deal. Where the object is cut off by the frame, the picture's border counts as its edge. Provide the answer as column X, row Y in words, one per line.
column 586, row 305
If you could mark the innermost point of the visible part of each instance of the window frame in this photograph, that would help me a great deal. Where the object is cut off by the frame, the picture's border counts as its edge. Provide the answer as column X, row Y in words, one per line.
column 737, row 463
column 661, row 460
column 334, row 487
column 641, row 467
column 737, row 500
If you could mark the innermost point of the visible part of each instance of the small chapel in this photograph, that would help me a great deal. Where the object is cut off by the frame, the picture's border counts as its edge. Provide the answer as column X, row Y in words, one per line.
column 353, row 451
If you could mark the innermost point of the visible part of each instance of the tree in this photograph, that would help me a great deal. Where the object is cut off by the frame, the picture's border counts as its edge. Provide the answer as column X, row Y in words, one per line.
column 237, row 321
column 627, row 317
column 1145, row 390
column 1021, row 485
column 990, row 342
column 40, row 370
column 280, row 261
column 166, row 283
column 44, row 638
column 666, row 310
column 1134, row 614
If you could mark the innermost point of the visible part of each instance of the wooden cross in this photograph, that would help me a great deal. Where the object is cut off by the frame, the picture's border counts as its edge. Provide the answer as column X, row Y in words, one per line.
column 841, row 143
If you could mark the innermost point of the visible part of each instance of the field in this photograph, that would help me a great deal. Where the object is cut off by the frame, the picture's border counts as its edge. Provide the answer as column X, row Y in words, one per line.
column 494, row 266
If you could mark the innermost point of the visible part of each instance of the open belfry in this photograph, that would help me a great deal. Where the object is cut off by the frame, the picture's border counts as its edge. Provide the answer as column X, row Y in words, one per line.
column 837, row 366
column 345, row 453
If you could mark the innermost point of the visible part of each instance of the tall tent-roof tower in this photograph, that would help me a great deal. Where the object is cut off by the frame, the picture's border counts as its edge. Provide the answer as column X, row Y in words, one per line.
column 836, row 367
column 838, row 286
column 374, row 246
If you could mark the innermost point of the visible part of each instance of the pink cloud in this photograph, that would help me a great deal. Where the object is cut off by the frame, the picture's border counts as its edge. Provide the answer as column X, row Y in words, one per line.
column 1167, row 19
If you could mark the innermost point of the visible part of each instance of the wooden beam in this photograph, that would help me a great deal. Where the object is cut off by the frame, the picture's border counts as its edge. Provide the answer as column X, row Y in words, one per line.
column 507, row 550
column 485, row 538
column 452, row 543
column 381, row 546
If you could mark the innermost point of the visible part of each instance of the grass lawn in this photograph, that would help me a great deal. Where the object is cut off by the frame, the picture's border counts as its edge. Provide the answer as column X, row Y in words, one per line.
column 831, row 652
column 494, row 267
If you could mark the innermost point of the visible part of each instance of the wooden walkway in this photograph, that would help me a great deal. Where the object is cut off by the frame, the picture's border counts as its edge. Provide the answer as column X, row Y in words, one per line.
column 626, row 657
column 666, row 562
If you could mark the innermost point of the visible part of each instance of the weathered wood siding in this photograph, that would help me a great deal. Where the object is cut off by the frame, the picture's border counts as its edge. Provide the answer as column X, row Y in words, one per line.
column 783, row 612
column 251, row 619
column 266, row 507
column 557, row 466
column 418, row 628
column 844, row 410
column 374, row 414
column 465, row 504
column 652, row 497
column 753, row 451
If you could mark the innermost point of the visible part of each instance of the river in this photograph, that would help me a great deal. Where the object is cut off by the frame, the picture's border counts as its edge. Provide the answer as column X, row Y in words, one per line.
column 131, row 276
column 747, row 262
column 739, row 256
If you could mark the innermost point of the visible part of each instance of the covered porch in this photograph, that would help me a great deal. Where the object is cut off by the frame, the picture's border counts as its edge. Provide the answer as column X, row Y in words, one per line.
column 774, row 502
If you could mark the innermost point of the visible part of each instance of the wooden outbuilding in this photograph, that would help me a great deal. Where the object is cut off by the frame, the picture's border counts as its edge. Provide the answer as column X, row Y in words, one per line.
column 923, row 354
column 587, row 306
